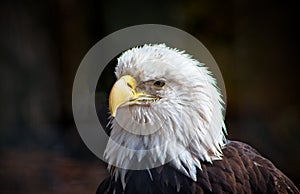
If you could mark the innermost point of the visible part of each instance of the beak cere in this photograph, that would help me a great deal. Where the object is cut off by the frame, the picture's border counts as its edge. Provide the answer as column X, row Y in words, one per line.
column 124, row 93
column 121, row 93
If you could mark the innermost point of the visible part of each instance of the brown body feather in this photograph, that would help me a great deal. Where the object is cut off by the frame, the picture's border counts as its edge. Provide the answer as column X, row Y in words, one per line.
column 241, row 170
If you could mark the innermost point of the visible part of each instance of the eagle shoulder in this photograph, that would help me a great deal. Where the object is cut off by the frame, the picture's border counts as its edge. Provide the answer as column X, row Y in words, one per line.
column 241, row 170
column 244, row 170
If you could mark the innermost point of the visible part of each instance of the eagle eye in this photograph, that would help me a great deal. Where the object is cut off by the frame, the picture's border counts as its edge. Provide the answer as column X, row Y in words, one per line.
column 159, row 83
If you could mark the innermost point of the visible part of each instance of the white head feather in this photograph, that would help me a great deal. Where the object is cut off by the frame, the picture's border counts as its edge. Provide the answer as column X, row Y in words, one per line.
column 185, row 127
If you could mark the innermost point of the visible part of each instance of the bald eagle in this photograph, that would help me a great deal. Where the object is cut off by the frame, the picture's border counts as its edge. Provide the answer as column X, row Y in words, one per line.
column 168, row 132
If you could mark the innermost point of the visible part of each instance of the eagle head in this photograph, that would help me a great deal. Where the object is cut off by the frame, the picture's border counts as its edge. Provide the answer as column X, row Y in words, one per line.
column 165, row 108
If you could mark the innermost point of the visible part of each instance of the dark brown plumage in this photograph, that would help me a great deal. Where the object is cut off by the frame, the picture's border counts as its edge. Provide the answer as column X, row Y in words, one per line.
column 242, row 170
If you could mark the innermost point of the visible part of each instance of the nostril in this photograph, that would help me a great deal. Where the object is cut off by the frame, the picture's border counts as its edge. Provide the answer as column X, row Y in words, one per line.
column 129, row 85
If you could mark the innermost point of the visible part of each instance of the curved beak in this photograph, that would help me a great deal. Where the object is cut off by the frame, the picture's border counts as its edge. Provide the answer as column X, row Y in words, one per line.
column 124, row 93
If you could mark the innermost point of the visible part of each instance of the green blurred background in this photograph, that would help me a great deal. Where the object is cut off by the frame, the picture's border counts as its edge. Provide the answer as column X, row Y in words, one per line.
column 255, row 43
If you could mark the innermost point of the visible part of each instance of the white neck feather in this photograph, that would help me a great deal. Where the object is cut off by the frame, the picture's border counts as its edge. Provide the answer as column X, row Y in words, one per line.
column 190, row 128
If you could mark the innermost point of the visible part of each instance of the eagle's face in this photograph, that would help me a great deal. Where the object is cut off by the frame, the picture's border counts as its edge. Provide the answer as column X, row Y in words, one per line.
column 164, row 99
column 156, row 83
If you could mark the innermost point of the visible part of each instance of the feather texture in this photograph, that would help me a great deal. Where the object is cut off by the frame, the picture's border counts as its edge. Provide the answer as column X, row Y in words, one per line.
column 241, row 170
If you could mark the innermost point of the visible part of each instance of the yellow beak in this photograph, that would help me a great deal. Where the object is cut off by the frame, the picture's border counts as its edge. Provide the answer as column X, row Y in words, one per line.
column 124, row 93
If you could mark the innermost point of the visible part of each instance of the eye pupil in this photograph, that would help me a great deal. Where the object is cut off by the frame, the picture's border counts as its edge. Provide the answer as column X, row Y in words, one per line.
column 159, row 83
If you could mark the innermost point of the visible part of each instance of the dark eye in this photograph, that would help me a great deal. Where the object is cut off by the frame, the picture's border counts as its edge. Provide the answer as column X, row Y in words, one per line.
column 159, row 83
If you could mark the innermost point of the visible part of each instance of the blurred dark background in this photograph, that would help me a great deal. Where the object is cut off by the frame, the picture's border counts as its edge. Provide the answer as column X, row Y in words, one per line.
column 255, row 43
